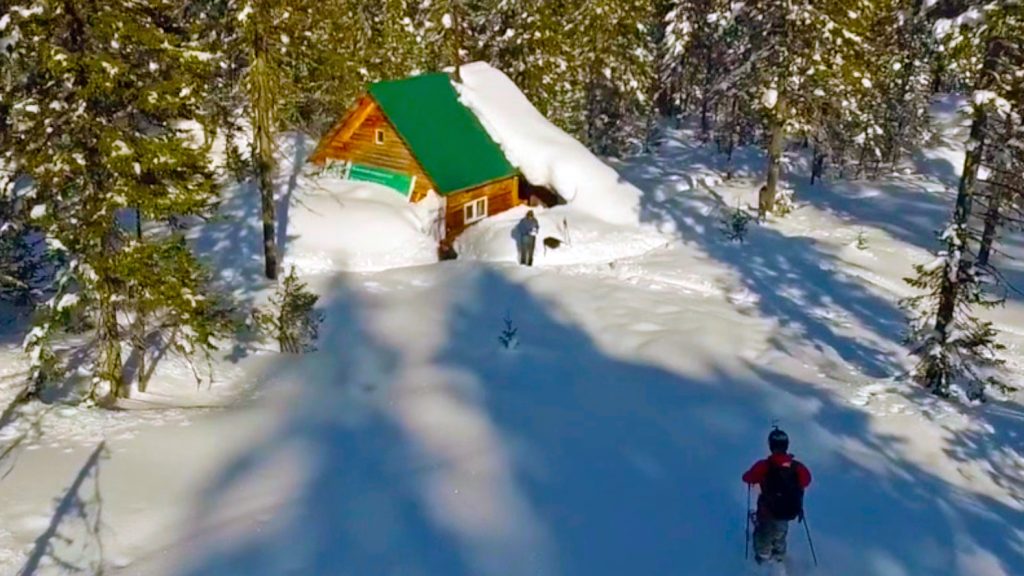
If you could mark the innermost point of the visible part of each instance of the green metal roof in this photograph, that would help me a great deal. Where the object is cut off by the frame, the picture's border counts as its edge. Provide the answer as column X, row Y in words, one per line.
column 445, row 136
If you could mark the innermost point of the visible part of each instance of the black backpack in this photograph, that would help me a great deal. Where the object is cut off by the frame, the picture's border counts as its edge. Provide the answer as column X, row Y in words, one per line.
column 781, row 493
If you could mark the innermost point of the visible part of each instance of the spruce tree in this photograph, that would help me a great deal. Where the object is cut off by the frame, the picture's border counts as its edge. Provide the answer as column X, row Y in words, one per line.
column 957, row 350
column 97, row 95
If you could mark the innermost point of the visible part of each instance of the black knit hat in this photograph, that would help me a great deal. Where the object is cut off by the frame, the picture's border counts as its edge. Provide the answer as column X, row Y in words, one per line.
column 778, row 441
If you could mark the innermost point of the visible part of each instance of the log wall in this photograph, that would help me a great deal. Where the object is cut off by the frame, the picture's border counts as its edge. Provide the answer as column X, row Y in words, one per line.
column 355, row 141
column 501, row 195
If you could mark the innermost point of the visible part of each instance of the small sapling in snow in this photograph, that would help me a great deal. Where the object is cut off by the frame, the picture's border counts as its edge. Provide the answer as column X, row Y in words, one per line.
column 291, row 318
column 735, row 223
column 862, row 240
column 509, row 337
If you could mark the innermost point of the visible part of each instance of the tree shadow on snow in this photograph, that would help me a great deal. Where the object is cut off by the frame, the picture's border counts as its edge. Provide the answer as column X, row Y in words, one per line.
column 232, row 243
column 788, row 279
column 72, row 542
column 906, row 208
column 460, row 458
column 352, row 509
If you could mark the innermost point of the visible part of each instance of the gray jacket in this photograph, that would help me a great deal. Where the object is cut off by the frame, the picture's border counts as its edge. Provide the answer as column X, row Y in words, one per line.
column 527, row 227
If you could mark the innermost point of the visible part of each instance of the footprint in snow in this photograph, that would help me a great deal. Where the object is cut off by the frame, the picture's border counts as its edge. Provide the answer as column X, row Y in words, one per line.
column 743, row 298
column 863, row 398
column 646, row 327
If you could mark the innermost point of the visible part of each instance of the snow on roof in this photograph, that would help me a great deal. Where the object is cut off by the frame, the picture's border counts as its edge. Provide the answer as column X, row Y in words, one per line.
column 546, row 155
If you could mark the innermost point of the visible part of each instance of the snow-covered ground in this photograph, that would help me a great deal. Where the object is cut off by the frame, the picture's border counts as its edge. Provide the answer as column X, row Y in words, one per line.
column 610, row 442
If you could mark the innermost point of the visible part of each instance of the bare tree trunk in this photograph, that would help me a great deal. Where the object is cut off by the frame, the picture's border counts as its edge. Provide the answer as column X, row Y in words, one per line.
column 731, row 140
column 110, row 367
column 817, row 165
column 705, row 125
column 1001, row 193
column 951, row 277
column 262, row 102
column 456, row 36
column 861, row 168
column 768, row 193
column 992, row 220
column 139, row 323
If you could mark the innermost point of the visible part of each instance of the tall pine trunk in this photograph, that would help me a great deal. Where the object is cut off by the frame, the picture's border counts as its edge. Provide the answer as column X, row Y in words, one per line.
column 936, row 373
column 139, row 322
column 769, row 193
column 705, row 98
column 992, row 221
column 993, row 216
column 262, row 102
column 456, row 38
column 731, row 139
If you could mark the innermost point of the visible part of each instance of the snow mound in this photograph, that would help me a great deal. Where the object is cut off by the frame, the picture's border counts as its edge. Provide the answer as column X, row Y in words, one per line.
column 357, row 226
column 324, row 224
column 545, row 154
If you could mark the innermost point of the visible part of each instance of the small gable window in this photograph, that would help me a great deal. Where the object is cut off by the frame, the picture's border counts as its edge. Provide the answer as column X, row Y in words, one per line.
column 378, row 136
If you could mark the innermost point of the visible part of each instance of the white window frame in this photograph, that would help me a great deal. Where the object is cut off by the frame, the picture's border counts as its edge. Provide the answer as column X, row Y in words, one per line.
column 378, row 136
column 479, row 209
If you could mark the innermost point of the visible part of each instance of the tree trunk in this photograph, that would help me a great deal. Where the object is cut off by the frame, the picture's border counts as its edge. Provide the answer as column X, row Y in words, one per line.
column 139, row 324
column 817, row 165
column 962, row 213
column 705, row 99
column 768, row 193
column 936, row 374
column 993, row 216
column 262, row 102
column 110, row 367
column 731, row 141
column 456, row 38
column 992, row 221
column 705, row 126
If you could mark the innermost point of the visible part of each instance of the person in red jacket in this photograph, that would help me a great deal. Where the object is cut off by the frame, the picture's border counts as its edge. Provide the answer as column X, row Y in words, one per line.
column 782, row 481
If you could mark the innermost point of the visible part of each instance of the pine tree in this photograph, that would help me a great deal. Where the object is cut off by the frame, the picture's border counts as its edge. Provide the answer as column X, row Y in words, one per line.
column 958, row 352
column 792, row 67
column 22, row 263
column 263, row 41
column 904, row 65
column 265, row 46
column 695, row 57
column 97, row 94
column 955, row 347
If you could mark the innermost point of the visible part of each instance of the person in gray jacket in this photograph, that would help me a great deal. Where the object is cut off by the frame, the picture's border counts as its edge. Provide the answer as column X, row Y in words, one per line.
column 526, row 238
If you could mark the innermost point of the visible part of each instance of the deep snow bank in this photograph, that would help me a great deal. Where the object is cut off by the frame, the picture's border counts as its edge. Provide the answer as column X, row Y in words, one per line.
column 357, row 226
column 545, row 154
column 583, row 238
column 325, row 224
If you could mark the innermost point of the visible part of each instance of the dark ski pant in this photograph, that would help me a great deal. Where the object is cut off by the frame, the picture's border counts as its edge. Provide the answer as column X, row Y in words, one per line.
column 770, row 537
column 526, row 246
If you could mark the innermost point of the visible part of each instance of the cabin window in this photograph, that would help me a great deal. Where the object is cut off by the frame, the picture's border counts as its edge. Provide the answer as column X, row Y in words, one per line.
column 475, row 210
column 378, row 136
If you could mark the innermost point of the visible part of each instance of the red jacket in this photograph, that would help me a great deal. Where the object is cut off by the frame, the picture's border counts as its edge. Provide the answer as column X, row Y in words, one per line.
column 758, row 472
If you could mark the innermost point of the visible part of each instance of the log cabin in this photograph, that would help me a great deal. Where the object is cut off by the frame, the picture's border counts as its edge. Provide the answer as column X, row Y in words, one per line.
column 414, row 136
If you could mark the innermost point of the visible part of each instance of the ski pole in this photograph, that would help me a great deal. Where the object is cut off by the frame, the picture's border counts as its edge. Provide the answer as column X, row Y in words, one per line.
column 810, row 542
column 746, row 540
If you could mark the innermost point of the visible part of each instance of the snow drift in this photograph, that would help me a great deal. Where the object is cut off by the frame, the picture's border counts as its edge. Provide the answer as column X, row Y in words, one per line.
column 545, row 154
column 325, row 224
column 358, row 226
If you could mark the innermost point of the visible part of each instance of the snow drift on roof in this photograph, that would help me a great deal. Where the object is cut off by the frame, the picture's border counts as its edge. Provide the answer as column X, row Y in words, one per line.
column 545, row 154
